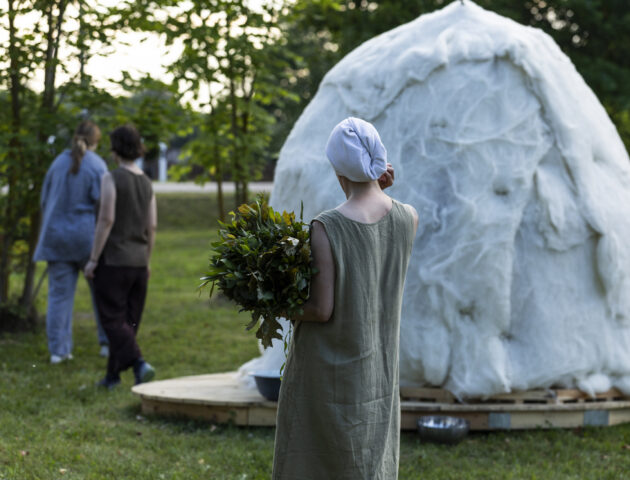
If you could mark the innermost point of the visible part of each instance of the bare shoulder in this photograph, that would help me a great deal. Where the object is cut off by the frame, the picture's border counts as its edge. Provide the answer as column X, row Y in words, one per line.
column 413, row 212
column 319, row 237
column 108, row 187
column 107, row 180
column 322, row 251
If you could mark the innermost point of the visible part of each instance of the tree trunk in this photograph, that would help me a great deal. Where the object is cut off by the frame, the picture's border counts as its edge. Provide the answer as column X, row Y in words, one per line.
column 53, row 37
column 13, row 159
column 82, row 48
column 244, row 192
column 220, row 199
column 49, row 70
column 245, row 149
column 4, row 269
column 48, row 109
column 236, row 151
column 219, row 177
column 27, row 298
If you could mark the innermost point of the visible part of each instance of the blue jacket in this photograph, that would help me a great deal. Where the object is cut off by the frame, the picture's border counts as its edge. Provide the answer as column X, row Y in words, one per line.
column 69, row 206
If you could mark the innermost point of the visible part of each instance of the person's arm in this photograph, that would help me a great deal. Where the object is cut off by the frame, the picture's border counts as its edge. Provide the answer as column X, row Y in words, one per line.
column 151, row 227
column 106, row 217
column 319, row 306
column 415, row 216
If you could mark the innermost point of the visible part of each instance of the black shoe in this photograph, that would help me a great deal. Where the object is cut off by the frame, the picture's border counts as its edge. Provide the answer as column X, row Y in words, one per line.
column 108, row 383
column 143, row 372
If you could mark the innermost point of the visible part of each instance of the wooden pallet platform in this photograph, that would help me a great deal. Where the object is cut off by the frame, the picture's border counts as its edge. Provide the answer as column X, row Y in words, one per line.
column 223, row 398
column 549, row 396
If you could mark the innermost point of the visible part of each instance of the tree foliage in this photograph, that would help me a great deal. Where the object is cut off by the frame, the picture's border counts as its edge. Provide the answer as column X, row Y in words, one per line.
column 593, row 33
column 232, row 58
column 29, row 126
column 44, row 94
column 155, row 108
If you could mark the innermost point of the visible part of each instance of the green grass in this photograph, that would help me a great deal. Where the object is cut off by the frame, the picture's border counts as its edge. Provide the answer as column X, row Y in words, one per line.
column 185, row 211
column 54, row 424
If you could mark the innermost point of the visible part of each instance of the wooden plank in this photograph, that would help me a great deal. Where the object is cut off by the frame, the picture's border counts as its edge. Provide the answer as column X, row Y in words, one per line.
column 531, row 396
column 427, row 394
column 511, row 407
column 568, row 395
column 619, row 416
column 213, row 413
column 478, row 421
column 408, row 420
column 438, row 395
column 262, row 417
column 546, row 419
column 213, row 389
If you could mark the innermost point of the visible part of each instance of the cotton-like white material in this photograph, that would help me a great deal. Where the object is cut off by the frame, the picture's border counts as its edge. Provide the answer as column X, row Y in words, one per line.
column 520, row 274
column 355, row 150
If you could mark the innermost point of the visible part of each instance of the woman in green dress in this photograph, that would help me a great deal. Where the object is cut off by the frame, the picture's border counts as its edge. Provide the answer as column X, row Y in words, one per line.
column 339, row 411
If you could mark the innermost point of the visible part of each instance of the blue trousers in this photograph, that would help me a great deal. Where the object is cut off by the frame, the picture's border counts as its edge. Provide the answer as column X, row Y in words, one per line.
column 62, row 284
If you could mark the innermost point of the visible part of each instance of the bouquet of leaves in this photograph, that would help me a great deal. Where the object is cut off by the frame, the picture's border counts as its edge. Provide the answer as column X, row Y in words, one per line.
column 263, row 263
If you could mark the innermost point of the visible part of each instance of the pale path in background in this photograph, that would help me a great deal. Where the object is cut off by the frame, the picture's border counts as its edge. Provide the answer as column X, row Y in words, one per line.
column 191, row 187
column 211, row 187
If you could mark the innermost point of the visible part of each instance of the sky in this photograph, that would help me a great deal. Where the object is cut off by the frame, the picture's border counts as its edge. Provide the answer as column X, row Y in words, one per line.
column 138, row 54
column 146, row 54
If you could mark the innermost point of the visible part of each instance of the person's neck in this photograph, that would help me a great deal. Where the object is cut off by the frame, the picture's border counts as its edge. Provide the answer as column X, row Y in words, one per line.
column 129, row 165
column 366, row 202
column 356, row 191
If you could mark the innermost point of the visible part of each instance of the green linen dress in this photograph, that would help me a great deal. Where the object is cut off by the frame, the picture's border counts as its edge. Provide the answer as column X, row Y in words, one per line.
column 339, row 407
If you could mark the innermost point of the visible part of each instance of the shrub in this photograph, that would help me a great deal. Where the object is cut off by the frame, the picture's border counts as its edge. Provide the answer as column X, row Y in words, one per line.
column 263, row 263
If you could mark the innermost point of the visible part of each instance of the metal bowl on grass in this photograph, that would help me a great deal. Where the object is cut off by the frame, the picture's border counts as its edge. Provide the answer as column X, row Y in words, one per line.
column 268, row 383
column 442, row 429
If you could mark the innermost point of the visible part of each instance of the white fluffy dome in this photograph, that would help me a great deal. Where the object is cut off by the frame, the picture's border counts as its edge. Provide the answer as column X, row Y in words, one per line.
column 519, row 274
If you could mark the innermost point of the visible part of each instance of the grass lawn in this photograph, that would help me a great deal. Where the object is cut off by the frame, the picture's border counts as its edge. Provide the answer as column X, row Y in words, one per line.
column 55, row 424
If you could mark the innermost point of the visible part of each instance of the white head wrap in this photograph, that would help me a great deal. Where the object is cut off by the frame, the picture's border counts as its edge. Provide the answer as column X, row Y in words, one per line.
column 355, row 150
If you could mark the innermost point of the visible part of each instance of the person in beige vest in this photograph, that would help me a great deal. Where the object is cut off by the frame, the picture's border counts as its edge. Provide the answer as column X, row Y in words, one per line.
column 338, row 410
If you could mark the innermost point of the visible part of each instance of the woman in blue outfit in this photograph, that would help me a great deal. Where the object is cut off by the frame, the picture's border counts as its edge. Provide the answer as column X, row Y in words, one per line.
column 69, row 201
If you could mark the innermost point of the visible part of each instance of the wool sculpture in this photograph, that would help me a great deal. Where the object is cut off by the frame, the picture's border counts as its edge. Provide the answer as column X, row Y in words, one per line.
column 519, row 277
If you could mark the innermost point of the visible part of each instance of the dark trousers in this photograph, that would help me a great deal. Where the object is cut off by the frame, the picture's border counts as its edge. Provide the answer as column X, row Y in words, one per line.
column 120, row 293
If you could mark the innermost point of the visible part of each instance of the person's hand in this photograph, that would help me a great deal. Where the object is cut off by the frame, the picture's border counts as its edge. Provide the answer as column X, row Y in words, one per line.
column 89, row 268
column 387, row 179
column 148, row 272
